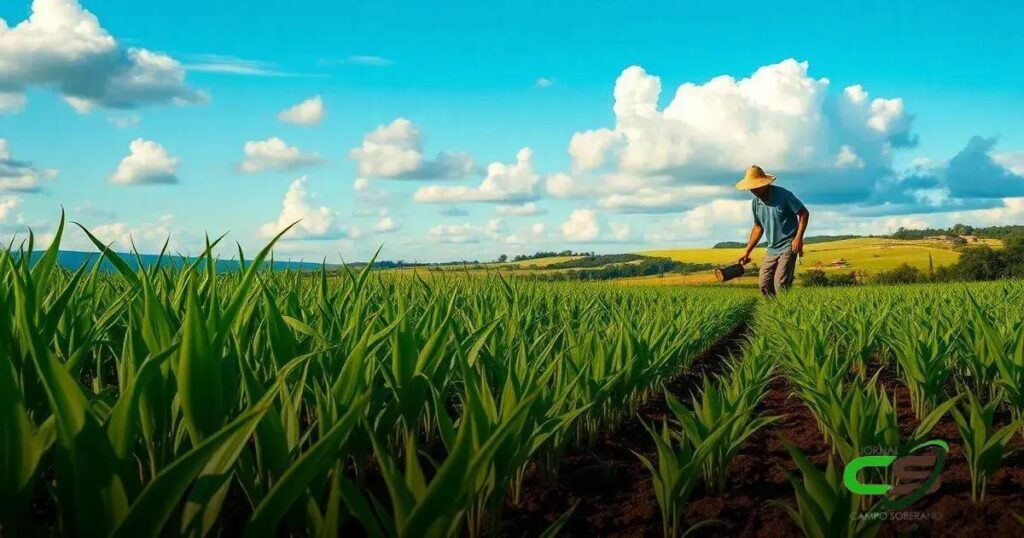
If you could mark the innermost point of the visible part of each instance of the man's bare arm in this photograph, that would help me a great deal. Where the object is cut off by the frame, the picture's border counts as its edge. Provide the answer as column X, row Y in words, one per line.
column 755, row 235
column 803, row 217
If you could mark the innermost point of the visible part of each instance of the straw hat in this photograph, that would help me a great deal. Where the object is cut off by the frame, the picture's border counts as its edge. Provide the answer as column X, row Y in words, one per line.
column 754, row 178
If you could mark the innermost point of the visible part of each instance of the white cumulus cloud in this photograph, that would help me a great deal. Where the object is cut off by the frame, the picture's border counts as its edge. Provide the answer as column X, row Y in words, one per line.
column 385, row 224
column 147, row 163
column 274, row 154
column 561, row 185
column 722, row 217
column 581, row 226
column 628, row 194
column 779, row 117
column 395, row 151
column 315, row 221
column 848, row 158
column 589, row 149
column 8, row 206
column 505, row 183
column 63, row 46
column 529, row 235
column 309, row 112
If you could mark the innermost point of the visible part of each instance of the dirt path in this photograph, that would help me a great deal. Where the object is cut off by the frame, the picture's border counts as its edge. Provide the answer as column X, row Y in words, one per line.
column 612, row 487
column 756, row 474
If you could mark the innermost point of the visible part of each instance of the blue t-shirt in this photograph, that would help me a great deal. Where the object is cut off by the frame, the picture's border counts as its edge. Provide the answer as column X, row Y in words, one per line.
column 778, row 217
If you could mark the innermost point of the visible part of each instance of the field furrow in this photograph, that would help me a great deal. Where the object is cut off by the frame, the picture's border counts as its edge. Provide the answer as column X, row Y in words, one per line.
column 606, row 480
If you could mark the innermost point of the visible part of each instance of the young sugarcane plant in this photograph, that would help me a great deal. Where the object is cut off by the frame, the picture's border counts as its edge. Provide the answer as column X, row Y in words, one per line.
column 825, row 507
column 857, row 418
column 724, row 411
column 979, row 367
column 1008, row 349
column 923, row 348
column 813, row 365
column 865, row 322
column 434, row 507
column 676, row 475
column 984, row 446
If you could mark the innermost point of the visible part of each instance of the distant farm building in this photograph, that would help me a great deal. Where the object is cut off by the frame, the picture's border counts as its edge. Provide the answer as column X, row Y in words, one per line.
column 954, row 239
column 838, row 263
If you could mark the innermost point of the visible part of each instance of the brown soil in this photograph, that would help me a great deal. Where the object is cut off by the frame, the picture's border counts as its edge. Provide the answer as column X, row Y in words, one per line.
column 949, row 512
column 610, row 485
column 615, row 498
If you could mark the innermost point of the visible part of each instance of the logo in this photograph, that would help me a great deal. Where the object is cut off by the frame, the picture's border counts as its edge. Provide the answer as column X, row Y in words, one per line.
column 912, row 477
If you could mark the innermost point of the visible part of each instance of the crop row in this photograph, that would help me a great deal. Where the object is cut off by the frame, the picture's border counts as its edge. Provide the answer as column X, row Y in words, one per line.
column 173, row 400
column 957, row 351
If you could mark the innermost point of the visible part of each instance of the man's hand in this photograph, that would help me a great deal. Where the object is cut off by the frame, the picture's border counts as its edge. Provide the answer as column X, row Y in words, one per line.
column 798, row 246
column 755, row 235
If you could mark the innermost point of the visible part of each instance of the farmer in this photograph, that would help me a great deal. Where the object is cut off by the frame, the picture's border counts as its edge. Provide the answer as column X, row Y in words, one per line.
column 783, row 217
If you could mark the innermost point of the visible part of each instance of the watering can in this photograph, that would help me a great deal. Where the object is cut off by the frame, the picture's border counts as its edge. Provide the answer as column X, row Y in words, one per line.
column 729, row 272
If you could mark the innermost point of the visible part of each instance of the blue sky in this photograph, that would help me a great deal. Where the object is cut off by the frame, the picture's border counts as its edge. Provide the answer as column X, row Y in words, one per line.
column 136, row 121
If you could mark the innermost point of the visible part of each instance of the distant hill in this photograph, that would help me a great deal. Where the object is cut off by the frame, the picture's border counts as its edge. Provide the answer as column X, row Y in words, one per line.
column 807, row 240
column 72, row 259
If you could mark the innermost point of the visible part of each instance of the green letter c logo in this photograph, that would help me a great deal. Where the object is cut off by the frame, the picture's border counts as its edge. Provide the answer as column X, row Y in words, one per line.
column 853, row 484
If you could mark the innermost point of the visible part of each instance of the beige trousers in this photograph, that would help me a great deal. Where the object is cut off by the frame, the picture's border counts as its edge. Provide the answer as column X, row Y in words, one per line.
column 776, row 273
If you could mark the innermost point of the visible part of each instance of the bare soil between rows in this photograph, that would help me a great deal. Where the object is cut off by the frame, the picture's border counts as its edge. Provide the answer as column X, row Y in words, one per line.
column 614, row 496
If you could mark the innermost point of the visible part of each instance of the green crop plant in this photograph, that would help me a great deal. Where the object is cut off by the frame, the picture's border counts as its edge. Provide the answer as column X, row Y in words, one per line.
column 1007, row 353
column 984, row 446
column 856, row 417
column 923, row 349
column 677, row 473
column 978, row 369
column 174, row 398
column 724, row 411
column 824, row 507
column 865, row 323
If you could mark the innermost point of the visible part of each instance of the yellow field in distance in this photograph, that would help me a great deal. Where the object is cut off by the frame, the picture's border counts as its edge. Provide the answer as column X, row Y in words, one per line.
column 866, row 254
column 541, row 262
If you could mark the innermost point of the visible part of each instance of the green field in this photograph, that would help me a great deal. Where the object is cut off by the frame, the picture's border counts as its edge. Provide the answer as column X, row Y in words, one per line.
column 179, row 401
